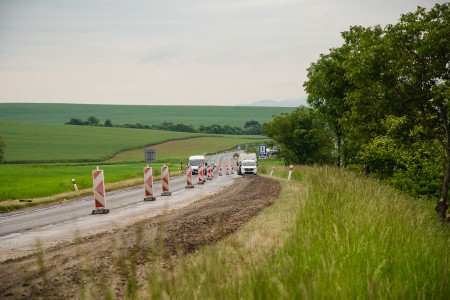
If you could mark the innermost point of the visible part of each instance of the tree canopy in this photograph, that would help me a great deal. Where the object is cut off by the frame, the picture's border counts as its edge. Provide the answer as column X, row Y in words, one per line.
column 385, row 94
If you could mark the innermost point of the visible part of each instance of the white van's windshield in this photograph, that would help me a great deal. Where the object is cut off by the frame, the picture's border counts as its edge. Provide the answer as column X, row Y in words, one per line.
column 249, row 163
column 196, row 162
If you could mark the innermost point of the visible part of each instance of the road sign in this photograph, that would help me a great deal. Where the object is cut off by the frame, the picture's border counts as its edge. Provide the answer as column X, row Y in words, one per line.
column 262, row 151
column 149, row 155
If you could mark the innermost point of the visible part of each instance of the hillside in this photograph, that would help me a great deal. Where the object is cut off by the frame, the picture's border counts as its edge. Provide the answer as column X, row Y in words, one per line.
column 132, row 114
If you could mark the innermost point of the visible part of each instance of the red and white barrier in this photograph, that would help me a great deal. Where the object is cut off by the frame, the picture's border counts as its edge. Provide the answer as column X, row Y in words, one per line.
column 291, row 167
column 148, row 184
column 200, row 174
column 220, row 170
column 209, row 172
column 165, row 181
column 99, row 192
column 189, row 177
column 232, row 168
column 227, row 170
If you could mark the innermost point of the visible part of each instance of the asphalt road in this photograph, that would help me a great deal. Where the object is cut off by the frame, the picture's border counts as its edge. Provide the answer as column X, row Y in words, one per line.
column 54, row 223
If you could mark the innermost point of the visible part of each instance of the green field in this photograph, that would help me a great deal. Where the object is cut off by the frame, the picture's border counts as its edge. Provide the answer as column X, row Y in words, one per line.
column 132, row 114
column 38, row 143
column 29, row 181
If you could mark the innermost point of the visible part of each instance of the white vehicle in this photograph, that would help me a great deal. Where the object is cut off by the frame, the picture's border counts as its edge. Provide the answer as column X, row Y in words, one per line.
column 195, row 161
column 245, row 156
column 248, row 166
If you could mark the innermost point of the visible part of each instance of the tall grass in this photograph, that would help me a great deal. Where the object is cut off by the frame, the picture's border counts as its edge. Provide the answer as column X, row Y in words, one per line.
column 351, row 238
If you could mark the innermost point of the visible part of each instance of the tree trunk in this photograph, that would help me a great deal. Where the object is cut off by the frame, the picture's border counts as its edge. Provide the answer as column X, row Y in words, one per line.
column 338, row 162
column 441, row 205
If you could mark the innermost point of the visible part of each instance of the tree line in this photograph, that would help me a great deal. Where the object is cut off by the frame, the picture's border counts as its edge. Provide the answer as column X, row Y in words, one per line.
column 251, row 127
column 380, row 100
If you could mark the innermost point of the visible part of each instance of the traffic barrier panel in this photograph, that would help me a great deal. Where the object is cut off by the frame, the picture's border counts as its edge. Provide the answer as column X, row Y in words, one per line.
column 227, row 170
column 189, row 177
column 165, row 181
column 232, row 168
column 148, row 184
column 291, row 167
column 200, row 174
column 220, row 170
column 99, row 192
column 209, row 172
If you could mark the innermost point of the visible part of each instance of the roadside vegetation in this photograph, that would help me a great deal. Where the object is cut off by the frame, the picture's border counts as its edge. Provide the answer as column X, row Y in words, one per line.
column 380, row 102
column 332, row 234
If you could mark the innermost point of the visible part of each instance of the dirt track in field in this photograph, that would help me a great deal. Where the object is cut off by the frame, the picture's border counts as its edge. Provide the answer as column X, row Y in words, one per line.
column 65, row 270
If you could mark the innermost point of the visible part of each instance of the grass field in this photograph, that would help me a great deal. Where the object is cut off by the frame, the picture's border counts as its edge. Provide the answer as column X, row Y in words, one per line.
column 331, row 235
column 145, row 115
column 63, row 143
column 29, row 181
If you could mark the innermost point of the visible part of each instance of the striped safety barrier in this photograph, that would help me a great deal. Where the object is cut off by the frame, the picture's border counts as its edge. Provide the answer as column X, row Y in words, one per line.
column 99, row 192
column 148, row 184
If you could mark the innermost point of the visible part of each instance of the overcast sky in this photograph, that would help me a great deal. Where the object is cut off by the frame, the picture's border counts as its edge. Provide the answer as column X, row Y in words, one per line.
column 173, row 52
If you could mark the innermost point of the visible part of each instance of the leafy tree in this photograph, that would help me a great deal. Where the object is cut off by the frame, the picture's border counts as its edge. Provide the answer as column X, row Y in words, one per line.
column 327, row 87
column 108, row 123
column 303, row 136
column 404, row 71
column 92, row 121
column 75, row 121
column 2, row 150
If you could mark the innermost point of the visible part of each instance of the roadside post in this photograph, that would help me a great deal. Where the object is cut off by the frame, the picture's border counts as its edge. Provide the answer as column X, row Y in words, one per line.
column 189, row 184
column 99, row 192
column 271, row 172
column 148, row 184
column 165, row 181
column 291, row 167
column 74, row 184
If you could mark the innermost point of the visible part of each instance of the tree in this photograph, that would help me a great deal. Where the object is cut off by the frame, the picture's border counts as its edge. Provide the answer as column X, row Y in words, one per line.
column 108, row 123
column 92, row 121
column 2, row 150
column 404, row 71
column 327, row 87
column 75, row 121
column 302, row 135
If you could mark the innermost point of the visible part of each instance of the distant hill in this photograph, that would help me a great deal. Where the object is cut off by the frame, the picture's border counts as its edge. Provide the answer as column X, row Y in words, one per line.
column 294, row 102
column 132, row 114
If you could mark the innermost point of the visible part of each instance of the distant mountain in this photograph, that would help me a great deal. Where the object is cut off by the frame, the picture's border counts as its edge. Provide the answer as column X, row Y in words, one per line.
column 293, row 102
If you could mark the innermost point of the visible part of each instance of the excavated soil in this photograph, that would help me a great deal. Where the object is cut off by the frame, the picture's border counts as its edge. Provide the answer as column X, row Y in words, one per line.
column 107, row 260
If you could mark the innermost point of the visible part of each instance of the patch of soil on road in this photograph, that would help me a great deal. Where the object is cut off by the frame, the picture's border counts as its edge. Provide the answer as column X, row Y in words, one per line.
column 110, row 261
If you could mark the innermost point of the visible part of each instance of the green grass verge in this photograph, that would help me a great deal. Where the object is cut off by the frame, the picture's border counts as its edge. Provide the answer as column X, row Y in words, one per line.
column 342, row 236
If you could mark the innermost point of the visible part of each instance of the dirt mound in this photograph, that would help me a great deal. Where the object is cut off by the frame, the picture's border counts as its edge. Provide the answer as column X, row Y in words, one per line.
column 106, row 260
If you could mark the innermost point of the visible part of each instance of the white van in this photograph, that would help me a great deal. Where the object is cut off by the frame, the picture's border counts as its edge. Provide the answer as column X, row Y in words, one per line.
column 195, row 161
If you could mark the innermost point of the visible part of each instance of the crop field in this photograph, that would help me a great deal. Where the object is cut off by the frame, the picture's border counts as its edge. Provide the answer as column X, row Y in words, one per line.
column 170, row 151
column 63, row 143
column 145, row 115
